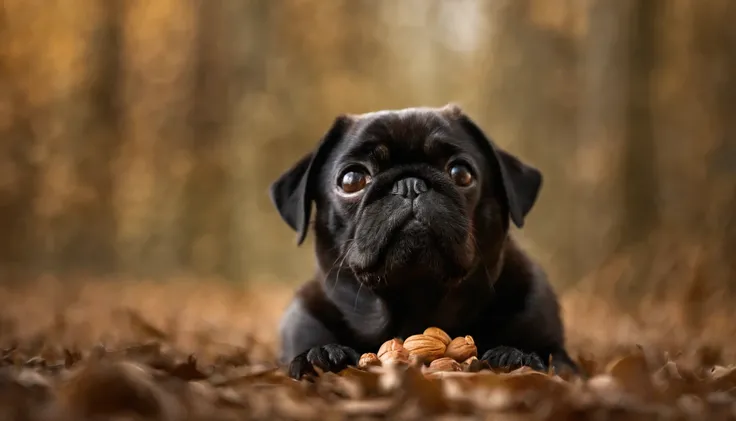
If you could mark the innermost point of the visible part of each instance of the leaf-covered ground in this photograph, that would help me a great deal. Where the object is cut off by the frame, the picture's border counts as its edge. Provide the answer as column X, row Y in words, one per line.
column 196, row 351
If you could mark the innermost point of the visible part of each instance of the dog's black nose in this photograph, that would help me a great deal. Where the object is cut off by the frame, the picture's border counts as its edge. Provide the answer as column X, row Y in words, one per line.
column 409, row 187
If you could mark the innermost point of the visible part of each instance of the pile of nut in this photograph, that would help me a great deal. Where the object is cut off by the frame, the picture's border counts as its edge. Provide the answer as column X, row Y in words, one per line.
column 433, row 349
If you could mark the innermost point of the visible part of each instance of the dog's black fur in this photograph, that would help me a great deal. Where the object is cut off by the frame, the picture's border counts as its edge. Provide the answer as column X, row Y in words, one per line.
column 414, row 249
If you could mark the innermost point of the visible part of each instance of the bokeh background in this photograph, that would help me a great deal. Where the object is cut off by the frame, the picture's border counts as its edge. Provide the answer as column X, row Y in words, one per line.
column 138, row 140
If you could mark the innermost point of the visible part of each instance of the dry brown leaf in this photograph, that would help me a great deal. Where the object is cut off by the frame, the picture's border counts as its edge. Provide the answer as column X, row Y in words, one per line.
column 292, row 405
column 31, row 378
column 632, row 373
column 188, row 370
column 151, row 354
column 587, row 364
column 722, row 378
column 71, row 357
column 604, row 385
column 367, row 407
column 368, row 381
column 230, row 397
column 267, row 377
column 237, row 357
column 143, row 327
column 709, row 355
column 109, row 388
column 452, row 375
column 23, row 395
column 427, row 392
column 533, row 381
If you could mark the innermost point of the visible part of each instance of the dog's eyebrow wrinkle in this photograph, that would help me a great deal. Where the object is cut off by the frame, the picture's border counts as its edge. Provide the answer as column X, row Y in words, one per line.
column 382, row 152
column 365, row 149
column 439, row 145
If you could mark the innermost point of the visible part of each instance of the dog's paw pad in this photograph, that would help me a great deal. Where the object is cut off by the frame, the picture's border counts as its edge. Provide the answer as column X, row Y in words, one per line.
column 328, row 358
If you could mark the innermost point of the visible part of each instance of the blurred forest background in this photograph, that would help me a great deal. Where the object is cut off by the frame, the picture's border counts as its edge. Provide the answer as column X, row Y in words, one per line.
column 139, row 137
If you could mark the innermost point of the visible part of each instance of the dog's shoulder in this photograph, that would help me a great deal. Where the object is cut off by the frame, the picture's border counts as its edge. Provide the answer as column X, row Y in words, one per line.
column 313, row 299
column 524, row 297
column 522, row 280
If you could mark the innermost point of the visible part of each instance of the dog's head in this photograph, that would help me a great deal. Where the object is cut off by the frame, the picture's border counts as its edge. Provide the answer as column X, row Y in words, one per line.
column 412, row 195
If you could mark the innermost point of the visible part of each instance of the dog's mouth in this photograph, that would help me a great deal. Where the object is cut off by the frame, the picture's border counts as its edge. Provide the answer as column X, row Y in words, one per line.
column 410, row 225
column 412, row 248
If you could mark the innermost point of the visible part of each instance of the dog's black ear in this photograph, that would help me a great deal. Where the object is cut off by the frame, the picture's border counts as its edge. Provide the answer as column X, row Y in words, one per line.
column 293, row 191
column 521, row 182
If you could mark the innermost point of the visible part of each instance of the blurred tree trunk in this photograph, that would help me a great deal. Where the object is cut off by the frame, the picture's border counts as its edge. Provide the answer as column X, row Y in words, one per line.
column 724, row 156
column 676, row 201
column 159, row 51
column 250, row 24
column 309, row 76
column 63, row 183
column 18, row 174
column 641, row 191
column 93, row 248
column 715, row 39
column 636, row 169
column 598, row 156
column 529, row 107
column 206, row 211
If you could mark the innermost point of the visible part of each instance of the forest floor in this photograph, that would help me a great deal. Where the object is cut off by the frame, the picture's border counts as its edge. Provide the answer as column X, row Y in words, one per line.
column 188, row 350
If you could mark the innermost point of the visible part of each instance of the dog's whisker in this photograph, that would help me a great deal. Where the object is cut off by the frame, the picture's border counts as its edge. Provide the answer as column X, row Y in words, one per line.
column 482, row 260
column 339, row 255
column 357, row 296
column 351, row 244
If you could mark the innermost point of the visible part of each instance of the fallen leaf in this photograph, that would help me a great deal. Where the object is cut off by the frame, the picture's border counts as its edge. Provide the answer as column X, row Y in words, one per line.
column 268, row 377
column 367, row 407
column 143, row 327
column 722, row 378
column 632, row 373
column 108, row 388
column 188, row 370
column 71, row 357
column 368, row 381
column 427, row 392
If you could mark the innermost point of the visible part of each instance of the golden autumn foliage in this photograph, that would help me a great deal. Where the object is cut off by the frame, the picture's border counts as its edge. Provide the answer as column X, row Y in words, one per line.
column 138, row 139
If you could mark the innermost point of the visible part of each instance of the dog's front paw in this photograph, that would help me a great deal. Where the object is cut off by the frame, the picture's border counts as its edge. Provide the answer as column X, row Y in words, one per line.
column 512, row 358
column 332, row 357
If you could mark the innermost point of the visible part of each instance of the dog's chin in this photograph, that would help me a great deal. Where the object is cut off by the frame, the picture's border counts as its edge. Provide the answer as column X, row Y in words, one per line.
column 413, row 255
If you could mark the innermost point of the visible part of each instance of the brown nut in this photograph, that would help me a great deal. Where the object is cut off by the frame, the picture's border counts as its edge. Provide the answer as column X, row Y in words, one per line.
column 438, row 333
column 367, row 360
column 470, row 360
column 396, row 356
column 426, row 348
column 461, row 348
column 445, row 364
column 472, row 365
column 390, row 345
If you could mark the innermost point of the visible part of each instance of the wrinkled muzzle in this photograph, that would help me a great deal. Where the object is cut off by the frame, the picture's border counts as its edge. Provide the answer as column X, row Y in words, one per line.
column 410, row 226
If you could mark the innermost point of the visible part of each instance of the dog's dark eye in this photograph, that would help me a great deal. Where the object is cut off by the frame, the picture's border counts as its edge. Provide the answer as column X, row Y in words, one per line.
column 461, row 175
column 354, row 180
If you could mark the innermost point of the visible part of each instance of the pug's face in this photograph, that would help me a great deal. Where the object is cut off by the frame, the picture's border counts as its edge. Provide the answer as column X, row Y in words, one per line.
column 416, row 196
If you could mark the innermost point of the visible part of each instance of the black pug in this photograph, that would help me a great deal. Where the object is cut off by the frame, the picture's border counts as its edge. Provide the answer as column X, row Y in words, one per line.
column 411, row 231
